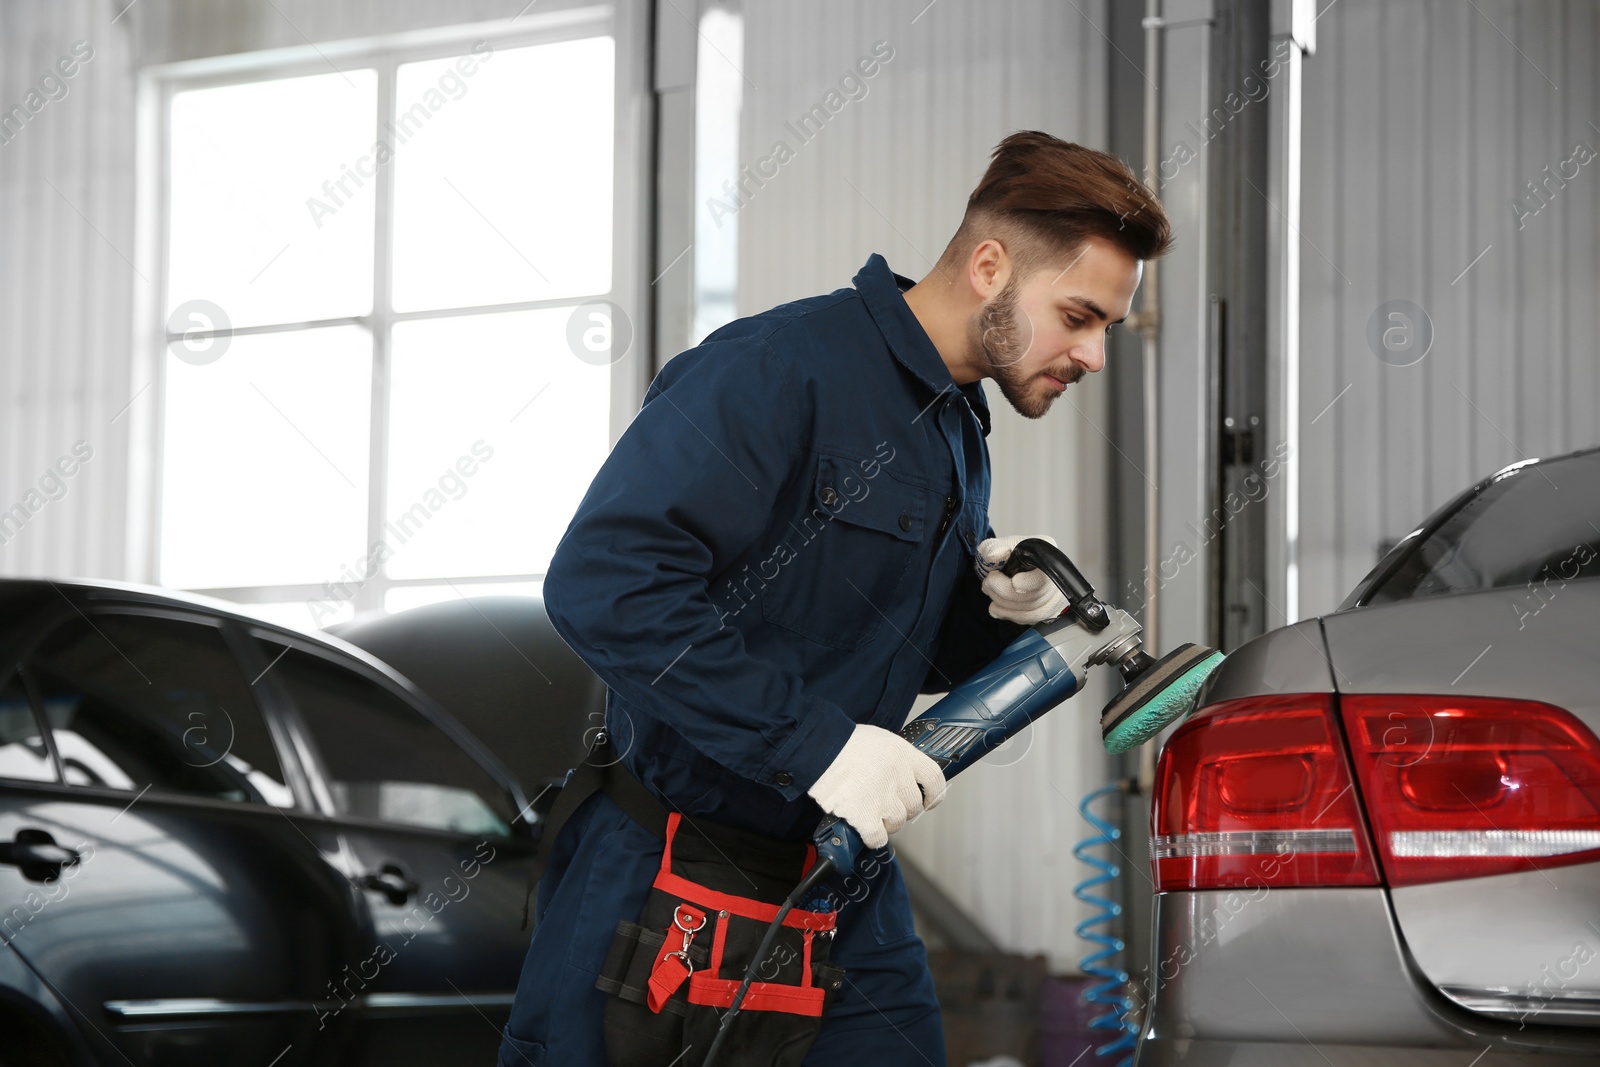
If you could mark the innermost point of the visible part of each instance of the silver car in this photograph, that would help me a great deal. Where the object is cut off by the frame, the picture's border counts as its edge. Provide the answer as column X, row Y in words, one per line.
column 1377, row 840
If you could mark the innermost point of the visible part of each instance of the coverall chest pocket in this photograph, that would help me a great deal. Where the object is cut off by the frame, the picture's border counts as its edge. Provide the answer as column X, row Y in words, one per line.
column 850, row 547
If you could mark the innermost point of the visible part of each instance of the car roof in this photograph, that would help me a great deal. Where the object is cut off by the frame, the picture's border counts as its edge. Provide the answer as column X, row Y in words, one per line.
column 22, row 598
column 32, row 593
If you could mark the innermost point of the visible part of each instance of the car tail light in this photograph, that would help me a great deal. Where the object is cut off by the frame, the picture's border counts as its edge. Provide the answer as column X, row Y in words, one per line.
column 1258, row 792
column 1466, row 787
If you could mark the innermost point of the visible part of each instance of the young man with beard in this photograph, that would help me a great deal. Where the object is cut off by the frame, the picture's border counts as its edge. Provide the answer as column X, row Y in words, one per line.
column 784, row 549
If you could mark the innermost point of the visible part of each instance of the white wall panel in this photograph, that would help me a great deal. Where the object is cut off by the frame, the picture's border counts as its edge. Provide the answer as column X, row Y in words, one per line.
column 67, row 285
column 890, row 173
column 1424, row 122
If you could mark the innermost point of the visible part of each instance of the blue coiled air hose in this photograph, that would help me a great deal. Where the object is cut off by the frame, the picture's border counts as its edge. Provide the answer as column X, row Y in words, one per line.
column 1110, row 990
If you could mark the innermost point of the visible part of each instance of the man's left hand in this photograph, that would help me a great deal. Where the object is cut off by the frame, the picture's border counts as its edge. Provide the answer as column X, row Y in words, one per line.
column 1026, row 597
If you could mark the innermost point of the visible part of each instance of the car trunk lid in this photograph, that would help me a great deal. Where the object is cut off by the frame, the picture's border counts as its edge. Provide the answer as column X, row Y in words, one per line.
column 1522, row 944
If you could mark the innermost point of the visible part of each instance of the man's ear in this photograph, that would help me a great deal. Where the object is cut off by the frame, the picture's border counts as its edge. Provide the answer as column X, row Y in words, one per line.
column 988, row 268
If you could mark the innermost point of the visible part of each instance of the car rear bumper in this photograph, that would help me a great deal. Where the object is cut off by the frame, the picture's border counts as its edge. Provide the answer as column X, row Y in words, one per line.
column 1295, row 976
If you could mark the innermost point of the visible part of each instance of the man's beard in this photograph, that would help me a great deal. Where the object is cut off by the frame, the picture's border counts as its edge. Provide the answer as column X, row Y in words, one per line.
column 997, row 335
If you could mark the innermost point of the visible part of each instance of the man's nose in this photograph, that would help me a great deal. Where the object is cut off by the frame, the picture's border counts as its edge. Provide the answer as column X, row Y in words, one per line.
column 1092, row 355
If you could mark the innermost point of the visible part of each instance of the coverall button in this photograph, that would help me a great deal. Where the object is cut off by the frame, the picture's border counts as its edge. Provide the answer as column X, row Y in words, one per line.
column 905, row 522
column 972, row 538
column 783, row 778
column 828, row 495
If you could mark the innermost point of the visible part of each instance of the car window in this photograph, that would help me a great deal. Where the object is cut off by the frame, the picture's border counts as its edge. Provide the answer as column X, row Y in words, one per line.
column 1538, row 524
column 138, row 702
column 23, row 755
column 383, row 759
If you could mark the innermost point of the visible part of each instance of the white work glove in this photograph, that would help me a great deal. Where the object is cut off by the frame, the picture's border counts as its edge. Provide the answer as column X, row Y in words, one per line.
column 1026, row 597
column 877, row 782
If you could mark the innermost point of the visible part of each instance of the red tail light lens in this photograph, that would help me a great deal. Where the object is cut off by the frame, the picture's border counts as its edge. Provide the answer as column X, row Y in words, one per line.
column 1258, row 792
column 1467, row 787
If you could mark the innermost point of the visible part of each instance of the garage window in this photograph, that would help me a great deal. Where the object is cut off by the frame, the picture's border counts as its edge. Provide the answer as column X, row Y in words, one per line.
column 390, row 357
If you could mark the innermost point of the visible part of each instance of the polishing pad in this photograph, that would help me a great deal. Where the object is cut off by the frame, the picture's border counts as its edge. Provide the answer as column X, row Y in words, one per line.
column 1161, row 695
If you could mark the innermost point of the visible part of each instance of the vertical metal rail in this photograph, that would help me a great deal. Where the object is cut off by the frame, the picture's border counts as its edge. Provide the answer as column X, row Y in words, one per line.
column 370, row 595
column 1149, row 326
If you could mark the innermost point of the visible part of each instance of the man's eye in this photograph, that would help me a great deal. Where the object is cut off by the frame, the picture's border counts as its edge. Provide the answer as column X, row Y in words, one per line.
column 1076, row 324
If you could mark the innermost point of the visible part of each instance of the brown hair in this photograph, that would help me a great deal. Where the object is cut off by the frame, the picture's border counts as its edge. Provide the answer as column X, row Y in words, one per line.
column 1042, row 197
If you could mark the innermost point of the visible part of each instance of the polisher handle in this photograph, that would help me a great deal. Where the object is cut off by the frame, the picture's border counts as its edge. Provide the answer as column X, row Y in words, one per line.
column 1039, row 553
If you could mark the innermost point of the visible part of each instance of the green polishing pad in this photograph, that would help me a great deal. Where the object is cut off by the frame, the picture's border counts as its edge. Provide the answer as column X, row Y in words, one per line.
column 1164, row 693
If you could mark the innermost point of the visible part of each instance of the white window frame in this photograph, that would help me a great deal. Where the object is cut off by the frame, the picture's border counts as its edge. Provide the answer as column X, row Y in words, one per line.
column 626, row 22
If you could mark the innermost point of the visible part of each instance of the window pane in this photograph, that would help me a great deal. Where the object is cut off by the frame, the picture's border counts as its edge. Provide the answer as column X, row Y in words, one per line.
column 271, row 214
column 718, row 98
column 264, row 460
column 22, row 752
column 495, row 431
column 138, row 702
column 503, row 175
column 386, row 761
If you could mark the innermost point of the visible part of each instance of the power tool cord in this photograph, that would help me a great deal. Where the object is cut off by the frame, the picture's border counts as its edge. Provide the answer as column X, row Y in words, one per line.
column 819, row 870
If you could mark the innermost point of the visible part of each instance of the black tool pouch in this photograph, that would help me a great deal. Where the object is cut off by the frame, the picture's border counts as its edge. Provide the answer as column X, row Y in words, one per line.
column 673, row 974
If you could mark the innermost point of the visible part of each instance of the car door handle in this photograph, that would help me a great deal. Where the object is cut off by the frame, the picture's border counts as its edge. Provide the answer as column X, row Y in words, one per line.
column 392, row 882
column 36, row 854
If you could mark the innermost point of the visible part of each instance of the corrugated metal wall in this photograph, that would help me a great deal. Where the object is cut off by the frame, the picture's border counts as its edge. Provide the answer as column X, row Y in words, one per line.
column 67, row 285
column 891, row 173
column 1425, row 122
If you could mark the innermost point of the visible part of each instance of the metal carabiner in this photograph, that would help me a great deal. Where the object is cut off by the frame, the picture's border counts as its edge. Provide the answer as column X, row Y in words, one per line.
column 688, row 937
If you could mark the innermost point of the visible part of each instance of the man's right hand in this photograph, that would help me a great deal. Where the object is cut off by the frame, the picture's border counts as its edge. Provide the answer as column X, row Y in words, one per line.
column 878, row 782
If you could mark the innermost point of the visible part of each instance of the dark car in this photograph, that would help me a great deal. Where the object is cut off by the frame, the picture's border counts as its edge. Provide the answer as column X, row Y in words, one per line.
column 225, row 842
column 1377, row 840
column 497, row 665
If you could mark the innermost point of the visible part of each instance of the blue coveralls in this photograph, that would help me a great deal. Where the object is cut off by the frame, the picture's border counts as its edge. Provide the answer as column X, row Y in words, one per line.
column 779, row 547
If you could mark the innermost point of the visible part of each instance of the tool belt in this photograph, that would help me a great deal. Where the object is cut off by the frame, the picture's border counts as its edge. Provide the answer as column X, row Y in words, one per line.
column 672, row 974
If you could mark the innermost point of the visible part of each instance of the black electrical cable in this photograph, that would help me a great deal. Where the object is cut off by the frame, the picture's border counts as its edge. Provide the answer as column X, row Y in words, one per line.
column 820, row 870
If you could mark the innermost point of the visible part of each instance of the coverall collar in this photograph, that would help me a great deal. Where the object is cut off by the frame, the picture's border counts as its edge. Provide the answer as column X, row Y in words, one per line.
column 880, row 288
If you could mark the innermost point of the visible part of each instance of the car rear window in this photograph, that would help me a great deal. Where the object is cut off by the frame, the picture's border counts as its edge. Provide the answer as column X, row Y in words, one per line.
column 383, row 759
column 1538, row 524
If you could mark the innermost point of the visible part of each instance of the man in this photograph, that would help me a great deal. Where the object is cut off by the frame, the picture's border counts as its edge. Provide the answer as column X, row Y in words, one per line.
column 781, row 553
